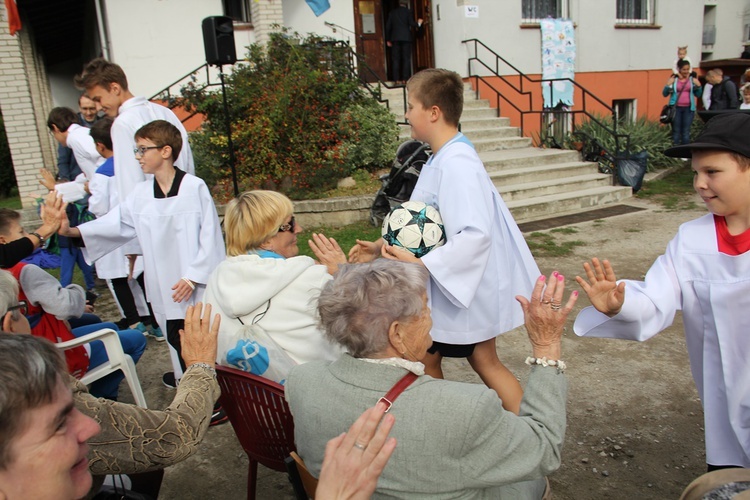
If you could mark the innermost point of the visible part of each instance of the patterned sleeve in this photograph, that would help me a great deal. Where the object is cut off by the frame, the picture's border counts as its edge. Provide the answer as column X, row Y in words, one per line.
column 135, row 439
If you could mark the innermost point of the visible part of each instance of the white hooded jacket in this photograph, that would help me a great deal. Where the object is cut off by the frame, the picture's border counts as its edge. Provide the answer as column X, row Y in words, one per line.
column 241, row 287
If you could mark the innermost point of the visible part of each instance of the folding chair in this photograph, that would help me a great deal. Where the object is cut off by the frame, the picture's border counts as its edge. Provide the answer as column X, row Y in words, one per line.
column 261, row 419
column 118, row 360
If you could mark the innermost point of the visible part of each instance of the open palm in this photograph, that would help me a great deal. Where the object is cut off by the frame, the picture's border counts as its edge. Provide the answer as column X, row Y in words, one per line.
column 601, row 287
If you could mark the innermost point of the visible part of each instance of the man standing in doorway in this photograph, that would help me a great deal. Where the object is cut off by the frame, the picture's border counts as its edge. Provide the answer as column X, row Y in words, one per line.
column 398, row 37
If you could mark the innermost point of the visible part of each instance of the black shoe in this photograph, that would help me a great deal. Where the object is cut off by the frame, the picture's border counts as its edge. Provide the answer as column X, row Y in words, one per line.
column 123, row 324
column 219, row 416
column 169, row 381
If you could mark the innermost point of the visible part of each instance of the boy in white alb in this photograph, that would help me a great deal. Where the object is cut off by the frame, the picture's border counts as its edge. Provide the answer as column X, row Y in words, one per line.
column 63, row 123
column 485, row 262
column 705, row 273
column 174, row 219
column 114, row 267
column 106, row 84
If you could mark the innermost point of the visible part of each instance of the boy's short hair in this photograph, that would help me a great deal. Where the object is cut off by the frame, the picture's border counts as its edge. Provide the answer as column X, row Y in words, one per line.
column 62, row 118
column 100, row 72
column 8, row 216
column 726, row 132
column 441, row 88
column 162, row 133
column 101, row 132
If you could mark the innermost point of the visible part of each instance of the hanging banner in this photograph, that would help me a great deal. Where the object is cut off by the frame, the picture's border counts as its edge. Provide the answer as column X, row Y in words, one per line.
column 318, row 6
column 14, row 20
column 558, row 61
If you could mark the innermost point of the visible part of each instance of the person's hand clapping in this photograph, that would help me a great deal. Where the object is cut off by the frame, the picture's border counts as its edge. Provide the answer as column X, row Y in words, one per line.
column 602, row 288
column 327, row 251
column 365, row 251
column 199, row 337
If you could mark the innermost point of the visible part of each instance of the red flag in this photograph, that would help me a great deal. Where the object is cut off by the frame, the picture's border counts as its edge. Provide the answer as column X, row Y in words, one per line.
column 14, row 20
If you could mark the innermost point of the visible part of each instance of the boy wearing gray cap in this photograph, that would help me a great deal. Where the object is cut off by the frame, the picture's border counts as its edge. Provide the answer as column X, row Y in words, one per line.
column 705, row 272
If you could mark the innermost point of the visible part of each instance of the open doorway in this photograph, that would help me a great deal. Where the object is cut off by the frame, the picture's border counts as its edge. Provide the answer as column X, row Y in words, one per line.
column 370, row 17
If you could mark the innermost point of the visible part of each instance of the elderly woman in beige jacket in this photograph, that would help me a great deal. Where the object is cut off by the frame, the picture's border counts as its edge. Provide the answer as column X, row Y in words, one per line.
column 455, row 440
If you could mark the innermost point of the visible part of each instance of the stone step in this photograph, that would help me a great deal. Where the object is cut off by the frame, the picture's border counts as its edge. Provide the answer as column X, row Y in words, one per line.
column 473, row 113
column 547, row 187
column 498, row 143
column 564, row 203
column 536, row 173
column 489, row 133
column 517, row 158
column 483, row 123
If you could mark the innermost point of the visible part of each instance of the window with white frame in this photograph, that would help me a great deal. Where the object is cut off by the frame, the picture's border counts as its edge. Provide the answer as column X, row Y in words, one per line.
column 238, row 10
column 635, row 11
column 533, row 11
column 625, row 110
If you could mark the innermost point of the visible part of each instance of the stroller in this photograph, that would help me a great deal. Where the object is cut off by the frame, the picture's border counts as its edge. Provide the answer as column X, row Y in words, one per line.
column 398, row 184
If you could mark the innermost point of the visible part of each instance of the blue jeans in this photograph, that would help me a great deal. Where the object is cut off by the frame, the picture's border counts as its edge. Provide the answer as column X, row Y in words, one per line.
column 133, row 343
column 69, row 257
column 683, row 119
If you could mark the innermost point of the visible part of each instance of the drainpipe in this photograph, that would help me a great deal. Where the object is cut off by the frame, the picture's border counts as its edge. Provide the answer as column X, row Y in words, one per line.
column 103, row 38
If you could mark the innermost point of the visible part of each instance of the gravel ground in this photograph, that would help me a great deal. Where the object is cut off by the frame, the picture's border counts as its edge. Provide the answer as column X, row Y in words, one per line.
column 635, row 423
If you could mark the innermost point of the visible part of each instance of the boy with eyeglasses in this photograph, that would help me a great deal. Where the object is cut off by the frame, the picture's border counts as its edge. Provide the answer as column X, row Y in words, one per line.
column 174, row 219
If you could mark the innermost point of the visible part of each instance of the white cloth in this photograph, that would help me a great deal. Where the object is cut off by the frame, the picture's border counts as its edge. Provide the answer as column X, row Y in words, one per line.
column 103, row 198
column 241, row 286
column 84, row 150
column 713, row 291
column 132, row 115
column 71, row 191
column 485, row 261
column 180, row 237
column 706, row 98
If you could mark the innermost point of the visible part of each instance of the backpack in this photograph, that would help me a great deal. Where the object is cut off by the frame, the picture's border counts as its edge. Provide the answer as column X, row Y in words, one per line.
column 47, row 326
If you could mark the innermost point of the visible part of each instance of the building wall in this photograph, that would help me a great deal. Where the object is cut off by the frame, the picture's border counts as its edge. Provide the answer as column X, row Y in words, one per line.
column 156, row 43
column 25, row 102
column 300, row 18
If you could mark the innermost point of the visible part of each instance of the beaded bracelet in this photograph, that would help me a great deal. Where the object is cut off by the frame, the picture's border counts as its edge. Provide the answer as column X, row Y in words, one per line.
column 560, row 364
column 34, row 233
column 190, row 283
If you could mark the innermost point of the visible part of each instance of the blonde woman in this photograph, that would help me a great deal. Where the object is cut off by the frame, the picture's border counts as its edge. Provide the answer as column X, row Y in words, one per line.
column 266, row 285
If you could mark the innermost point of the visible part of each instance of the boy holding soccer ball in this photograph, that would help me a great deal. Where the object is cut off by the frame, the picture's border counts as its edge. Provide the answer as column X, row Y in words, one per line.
column 485, row 261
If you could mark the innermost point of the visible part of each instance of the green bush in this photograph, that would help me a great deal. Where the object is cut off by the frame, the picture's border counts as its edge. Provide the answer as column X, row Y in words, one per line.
column 299, row 120
column 645, row 135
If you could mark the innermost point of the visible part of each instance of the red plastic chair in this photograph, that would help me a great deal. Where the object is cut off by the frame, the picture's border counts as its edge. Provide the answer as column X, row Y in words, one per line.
column 261, row 419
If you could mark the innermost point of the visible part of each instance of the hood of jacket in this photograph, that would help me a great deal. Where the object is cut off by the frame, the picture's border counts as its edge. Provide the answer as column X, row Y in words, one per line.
column 243, row 283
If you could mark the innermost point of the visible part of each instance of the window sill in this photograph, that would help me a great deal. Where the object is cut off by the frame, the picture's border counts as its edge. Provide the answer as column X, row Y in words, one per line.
column 536, row 26
column 626, row 26
column 242, row 26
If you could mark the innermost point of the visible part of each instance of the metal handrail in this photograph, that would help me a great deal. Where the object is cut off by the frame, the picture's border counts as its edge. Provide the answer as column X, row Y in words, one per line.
column 528, row 109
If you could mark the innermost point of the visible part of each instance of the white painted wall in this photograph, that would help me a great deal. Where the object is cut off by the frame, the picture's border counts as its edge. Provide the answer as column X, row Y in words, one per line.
column 730, row 18
column 158, row 42
column 300, row 18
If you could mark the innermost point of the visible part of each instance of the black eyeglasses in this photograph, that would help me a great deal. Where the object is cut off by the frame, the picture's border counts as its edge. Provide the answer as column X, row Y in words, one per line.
column 288, row 227
column 22, row 306
column 140, row 151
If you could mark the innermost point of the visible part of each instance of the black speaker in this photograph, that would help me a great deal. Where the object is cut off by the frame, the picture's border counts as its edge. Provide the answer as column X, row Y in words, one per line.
column 218, row 39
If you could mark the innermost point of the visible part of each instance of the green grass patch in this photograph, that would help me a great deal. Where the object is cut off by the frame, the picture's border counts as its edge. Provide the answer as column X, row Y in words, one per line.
column 565, row 230
column 12, row 202
column 346, row 236
column 674, row 192
column 544, row 245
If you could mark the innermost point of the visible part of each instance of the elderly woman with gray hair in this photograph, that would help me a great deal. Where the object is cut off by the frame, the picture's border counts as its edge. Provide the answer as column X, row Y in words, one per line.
column 455, row 440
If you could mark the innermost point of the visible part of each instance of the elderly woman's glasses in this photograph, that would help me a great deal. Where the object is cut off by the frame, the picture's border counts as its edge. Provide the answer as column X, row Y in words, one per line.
column 288, row 227
column 140, row 151
column 22, row 306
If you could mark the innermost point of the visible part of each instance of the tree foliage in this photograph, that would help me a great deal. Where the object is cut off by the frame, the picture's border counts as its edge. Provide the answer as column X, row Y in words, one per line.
column 299, row 120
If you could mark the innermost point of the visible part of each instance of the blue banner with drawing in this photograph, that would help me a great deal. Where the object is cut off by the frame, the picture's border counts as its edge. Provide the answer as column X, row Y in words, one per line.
column 558, row 61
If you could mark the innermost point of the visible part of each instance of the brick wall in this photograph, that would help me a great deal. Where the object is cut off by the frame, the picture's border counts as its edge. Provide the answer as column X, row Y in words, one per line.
column 25, row 101
column 266, row 13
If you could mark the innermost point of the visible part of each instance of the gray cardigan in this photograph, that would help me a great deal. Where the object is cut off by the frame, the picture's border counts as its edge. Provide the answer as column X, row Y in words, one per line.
column 454, row 439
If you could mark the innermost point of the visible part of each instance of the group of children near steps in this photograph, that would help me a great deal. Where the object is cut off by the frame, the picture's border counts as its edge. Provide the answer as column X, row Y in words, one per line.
column 168, row 217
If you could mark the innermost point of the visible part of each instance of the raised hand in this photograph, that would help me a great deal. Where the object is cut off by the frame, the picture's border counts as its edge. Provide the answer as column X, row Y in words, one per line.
column 199, row 338
column 602, row 288
column 327, row 251
column 365, row 251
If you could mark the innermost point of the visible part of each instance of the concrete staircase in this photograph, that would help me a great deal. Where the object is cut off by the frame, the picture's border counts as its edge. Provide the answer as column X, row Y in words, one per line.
column 535, row 183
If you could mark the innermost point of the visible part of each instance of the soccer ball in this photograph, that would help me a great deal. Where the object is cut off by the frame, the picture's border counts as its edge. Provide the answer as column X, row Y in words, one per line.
column 415, row 226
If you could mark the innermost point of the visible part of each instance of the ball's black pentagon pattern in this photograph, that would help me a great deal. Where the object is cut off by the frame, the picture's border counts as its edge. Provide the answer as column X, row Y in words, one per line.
column 415, row 226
